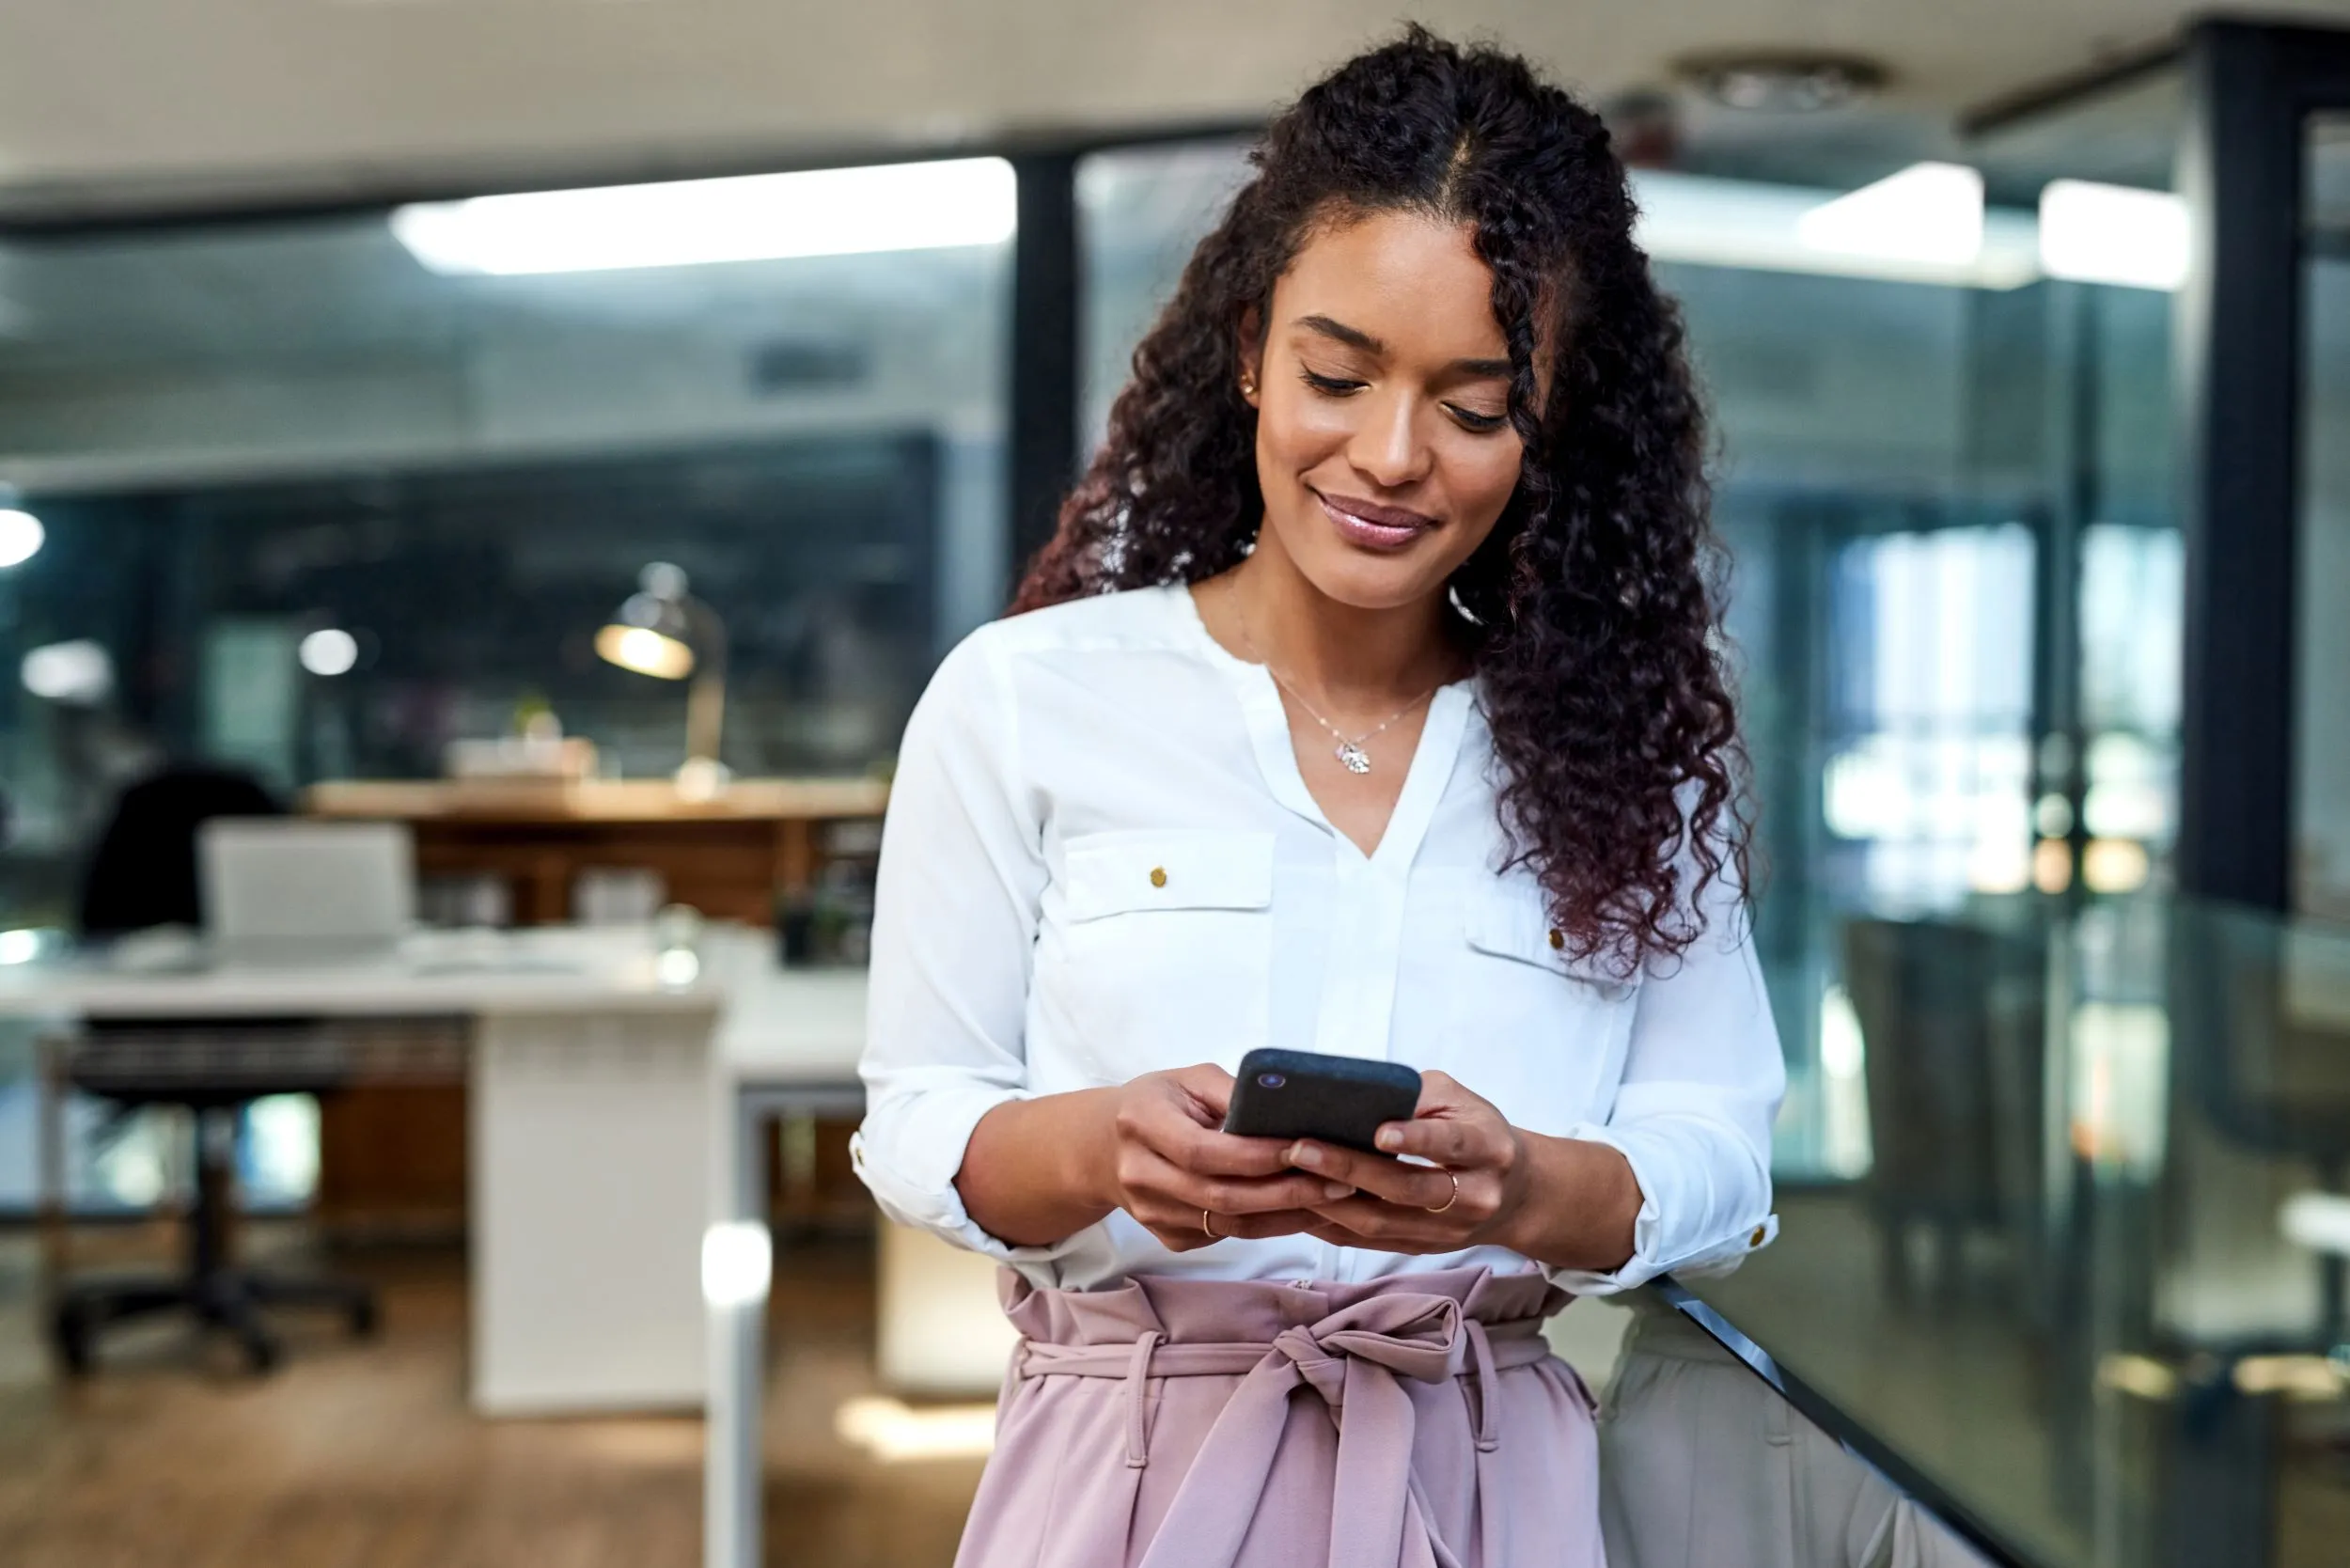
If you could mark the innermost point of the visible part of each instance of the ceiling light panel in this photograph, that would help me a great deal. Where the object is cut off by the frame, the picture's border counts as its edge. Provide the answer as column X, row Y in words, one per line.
column 2115, row 234
column 1736, row 223
column 1930, row 214
column 764, row 217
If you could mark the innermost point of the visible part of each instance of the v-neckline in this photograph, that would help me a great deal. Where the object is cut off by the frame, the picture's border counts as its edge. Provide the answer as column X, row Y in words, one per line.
column 1267, row 721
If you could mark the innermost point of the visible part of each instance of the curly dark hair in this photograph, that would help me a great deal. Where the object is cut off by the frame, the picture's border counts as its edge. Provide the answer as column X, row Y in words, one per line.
column 1591, row 613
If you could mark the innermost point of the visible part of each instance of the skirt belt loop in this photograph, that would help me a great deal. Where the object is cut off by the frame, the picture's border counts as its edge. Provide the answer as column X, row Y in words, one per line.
column 1138, row 1401
column 1488, row 1389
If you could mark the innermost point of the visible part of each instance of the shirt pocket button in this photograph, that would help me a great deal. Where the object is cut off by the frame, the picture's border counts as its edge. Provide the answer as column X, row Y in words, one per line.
column 1158, row 876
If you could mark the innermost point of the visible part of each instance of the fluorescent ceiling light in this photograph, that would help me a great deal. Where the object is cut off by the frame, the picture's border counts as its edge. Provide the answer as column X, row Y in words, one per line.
column 1928, row 212
column 2113, row 234
column 20, row 537
column 80, row 672
column 760, row 217
column 1740, row 223
column 329, row 651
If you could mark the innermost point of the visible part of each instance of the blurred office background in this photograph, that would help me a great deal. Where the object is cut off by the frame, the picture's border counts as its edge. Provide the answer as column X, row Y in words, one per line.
column 1951, row 505
column 338, row 470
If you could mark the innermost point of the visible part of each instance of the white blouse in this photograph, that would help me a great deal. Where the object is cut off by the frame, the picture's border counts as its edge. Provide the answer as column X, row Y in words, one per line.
column 1027, row 943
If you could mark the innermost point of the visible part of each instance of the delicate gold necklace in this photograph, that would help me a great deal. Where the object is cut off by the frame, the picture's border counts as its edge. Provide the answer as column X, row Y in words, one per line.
column 1350, row 753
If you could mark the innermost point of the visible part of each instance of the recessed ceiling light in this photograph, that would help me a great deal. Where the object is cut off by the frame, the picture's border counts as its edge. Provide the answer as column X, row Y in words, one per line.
column 329, row 651
column 1782, row 82
column 79, row 674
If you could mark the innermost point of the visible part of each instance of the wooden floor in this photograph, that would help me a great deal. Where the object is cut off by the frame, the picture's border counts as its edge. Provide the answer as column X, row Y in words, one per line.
column 365, row 1456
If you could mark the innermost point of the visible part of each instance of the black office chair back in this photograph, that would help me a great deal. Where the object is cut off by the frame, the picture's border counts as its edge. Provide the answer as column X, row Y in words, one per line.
column 144, row 872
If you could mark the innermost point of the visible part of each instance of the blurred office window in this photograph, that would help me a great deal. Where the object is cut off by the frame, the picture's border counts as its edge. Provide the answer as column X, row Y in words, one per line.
column 1140, row 211
column 322, row 500
column 2322, row 792
column 1948, row 502
column 1930, row 713
column 2132, row 595
column 324, row 503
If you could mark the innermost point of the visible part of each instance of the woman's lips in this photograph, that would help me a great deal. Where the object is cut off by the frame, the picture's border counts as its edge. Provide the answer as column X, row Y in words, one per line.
column 1373, row 526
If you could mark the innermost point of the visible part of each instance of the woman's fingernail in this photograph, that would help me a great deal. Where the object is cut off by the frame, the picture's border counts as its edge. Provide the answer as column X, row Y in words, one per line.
column 1304, row 1154
column 1338, row 1189
column 1390, row 1138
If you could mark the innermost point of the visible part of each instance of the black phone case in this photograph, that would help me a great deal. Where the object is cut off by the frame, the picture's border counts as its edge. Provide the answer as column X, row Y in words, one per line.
column 1342, row 1100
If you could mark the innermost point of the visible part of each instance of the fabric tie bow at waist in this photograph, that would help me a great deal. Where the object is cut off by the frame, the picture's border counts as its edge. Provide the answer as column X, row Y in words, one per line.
column 1350, row 1359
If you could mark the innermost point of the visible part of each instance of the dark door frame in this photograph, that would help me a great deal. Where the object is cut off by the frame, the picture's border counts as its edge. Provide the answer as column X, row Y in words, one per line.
column 2238, row 320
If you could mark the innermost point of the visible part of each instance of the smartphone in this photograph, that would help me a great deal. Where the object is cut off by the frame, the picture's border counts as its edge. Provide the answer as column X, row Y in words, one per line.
column 1342, row 1100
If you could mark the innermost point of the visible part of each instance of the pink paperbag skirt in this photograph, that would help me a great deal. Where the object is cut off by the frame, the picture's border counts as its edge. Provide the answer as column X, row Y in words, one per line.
column 1416, row 1421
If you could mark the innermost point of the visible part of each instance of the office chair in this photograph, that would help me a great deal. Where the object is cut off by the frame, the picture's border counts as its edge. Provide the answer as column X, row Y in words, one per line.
column 144, row 874
column 1953, row 1018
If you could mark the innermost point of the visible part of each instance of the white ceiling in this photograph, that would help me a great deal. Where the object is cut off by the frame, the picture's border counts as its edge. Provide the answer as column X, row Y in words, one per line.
column 133, row 102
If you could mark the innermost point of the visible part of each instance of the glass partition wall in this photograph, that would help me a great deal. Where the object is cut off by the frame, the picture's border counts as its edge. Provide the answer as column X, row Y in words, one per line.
column 2322, row 785
column 1947, row 486
column 1946, row 490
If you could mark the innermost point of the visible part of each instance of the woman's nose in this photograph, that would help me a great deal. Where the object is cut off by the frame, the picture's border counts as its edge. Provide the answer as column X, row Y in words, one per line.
column 1387, row 448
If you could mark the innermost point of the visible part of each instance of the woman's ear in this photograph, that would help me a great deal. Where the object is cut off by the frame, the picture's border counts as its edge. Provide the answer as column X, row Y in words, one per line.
column 1251, row 355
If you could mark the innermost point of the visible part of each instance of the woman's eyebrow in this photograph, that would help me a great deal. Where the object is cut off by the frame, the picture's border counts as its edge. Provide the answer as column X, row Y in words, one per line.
column 1355, row 338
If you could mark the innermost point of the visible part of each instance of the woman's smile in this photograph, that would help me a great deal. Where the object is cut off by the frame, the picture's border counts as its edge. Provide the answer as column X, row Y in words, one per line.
column 1367, row 525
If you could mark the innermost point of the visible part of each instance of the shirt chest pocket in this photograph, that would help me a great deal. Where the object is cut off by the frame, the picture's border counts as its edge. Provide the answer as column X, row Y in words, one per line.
column 1563, row 1024
column 1163, row 954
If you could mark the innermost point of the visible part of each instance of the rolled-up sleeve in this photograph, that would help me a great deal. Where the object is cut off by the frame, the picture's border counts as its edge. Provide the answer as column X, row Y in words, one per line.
column 954, row 926
column 1703, row 1080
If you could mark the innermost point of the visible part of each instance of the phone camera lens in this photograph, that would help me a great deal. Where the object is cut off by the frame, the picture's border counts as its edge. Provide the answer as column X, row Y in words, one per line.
column 1271, row 1080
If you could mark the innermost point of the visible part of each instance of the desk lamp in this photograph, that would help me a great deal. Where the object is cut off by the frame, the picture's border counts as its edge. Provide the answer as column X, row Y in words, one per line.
column 664, row 632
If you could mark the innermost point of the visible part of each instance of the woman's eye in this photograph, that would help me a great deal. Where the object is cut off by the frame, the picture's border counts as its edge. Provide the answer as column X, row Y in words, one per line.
column 1472, row 420
column 1335, row 387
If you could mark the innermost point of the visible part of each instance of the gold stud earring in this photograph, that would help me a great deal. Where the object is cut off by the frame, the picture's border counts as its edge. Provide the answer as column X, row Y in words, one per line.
column 1247, row 386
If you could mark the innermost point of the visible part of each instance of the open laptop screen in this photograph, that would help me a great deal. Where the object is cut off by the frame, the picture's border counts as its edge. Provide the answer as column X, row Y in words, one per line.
column 277, row 888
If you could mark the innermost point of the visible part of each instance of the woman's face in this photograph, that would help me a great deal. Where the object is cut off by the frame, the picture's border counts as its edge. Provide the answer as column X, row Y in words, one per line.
column 1384, row 445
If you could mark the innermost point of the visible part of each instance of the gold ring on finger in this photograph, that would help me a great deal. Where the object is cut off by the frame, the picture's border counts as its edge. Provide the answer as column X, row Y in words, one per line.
column 1454, row 1199
column 1204, row 1218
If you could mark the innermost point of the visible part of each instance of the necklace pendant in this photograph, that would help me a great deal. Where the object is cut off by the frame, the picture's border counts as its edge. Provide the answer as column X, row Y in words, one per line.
column 1354, row 757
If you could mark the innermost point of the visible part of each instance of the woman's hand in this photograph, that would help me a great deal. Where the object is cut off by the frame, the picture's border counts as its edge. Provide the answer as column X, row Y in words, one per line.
column 1166, row 1160
column 1475, row 1192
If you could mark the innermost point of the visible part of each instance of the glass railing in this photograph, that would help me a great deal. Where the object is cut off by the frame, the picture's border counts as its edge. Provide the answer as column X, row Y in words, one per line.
column 2087, row 1299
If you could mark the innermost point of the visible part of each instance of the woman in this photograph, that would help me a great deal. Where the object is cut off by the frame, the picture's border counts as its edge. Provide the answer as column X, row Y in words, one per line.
column 1366, row 702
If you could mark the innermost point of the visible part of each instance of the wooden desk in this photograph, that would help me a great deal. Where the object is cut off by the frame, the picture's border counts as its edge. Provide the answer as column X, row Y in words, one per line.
column 728, row 857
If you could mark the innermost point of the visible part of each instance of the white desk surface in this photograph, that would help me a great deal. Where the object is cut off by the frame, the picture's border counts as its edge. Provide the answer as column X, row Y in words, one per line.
column 777, row 1026
column 790, row 1027
column 535, row 970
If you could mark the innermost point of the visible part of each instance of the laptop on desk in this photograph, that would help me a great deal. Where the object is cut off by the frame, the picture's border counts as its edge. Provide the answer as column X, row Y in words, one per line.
column 282, row 892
